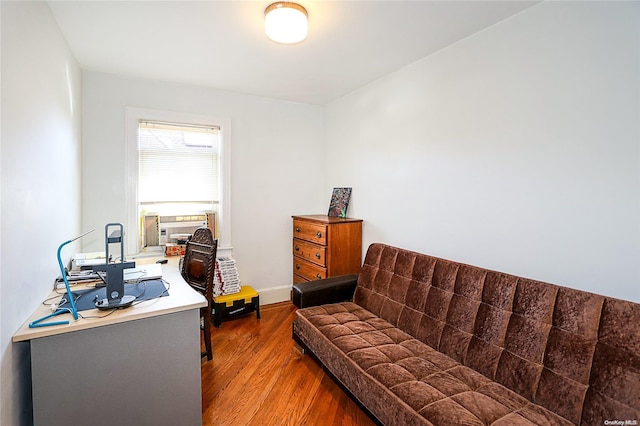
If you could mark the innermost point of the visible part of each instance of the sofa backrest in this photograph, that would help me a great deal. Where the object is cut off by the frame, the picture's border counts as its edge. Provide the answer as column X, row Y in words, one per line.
column 573, row 352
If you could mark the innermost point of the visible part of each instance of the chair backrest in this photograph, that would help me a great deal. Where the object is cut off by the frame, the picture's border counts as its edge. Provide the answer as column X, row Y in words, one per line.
column 199, row 262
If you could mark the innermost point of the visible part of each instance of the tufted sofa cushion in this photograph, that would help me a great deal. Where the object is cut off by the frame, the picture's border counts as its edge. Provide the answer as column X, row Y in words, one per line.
column 427, row 340
column 404, row 381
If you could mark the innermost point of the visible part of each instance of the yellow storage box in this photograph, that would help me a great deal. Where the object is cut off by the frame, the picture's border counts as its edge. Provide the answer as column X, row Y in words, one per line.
column 232, row 305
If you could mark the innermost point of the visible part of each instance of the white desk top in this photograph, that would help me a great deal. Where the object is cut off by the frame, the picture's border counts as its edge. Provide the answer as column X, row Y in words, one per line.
column 181, row 298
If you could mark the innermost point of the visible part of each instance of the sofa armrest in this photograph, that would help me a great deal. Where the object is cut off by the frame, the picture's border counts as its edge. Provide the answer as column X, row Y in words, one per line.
column 329, row 290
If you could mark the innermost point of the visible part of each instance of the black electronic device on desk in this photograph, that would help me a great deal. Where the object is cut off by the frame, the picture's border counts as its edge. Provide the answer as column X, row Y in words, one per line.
column 116, row 299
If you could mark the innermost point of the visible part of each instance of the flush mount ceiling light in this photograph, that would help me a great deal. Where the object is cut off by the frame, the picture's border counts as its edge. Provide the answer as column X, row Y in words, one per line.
column 285, row 22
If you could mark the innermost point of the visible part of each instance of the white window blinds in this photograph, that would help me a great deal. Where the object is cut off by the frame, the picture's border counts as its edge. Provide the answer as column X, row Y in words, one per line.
column 178, row 163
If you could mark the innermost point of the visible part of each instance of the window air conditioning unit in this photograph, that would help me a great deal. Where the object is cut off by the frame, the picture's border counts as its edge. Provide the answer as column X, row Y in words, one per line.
column 158, row 230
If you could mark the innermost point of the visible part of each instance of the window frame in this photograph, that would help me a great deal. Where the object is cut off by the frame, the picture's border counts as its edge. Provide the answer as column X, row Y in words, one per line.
column 133, row 116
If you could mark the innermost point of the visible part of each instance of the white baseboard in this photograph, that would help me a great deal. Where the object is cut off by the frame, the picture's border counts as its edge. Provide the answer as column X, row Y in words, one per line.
column 274, row 295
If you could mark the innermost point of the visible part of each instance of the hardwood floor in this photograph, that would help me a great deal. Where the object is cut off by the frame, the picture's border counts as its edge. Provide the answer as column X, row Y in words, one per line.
column 258, row 376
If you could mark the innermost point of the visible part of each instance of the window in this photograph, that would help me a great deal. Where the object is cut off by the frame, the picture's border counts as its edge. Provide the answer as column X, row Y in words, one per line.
column 177, row 168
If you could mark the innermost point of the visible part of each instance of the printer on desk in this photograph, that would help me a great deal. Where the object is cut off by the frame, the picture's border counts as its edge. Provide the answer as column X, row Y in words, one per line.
column 130, row 276
column 84, row 261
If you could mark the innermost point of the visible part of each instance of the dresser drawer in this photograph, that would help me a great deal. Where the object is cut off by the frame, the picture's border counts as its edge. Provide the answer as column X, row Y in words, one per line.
column 298, row 279
column 311, row 252
column 316, row 233
column 308, row 270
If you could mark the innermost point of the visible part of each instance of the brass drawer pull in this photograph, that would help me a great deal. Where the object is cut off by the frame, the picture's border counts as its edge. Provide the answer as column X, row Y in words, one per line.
column 319, row 234
column 318, row 256
column 297, row 229
column 297, row 248
column 297, row 266
column 318, row 276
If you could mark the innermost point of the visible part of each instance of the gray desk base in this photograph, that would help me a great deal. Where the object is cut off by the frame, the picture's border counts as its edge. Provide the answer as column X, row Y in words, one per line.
column 142, row 372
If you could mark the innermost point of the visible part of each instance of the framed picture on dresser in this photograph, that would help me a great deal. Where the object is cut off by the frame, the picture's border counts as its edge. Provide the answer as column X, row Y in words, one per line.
column 339, row 202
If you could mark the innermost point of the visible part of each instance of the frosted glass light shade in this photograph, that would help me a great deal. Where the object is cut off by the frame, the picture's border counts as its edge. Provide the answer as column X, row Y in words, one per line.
column 285, row 22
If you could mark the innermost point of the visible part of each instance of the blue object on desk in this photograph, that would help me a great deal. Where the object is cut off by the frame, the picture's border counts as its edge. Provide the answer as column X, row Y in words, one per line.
column 72, row 310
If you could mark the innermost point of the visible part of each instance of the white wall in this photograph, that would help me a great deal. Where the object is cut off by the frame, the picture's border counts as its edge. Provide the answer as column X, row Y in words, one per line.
column 277, row 158
column 516, row 149
column 40, row 192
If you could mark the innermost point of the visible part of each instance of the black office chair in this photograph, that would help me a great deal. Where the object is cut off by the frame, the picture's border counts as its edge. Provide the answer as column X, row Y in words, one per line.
column 197, row 269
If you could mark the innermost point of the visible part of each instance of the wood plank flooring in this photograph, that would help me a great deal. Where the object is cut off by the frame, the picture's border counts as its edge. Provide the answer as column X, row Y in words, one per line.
column 258, row 376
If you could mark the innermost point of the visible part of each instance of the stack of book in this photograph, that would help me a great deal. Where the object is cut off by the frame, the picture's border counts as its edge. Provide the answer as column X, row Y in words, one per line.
column 225, row 279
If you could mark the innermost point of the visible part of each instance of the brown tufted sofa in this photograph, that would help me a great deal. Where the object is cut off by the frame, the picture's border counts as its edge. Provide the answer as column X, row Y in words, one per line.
column 430, row 341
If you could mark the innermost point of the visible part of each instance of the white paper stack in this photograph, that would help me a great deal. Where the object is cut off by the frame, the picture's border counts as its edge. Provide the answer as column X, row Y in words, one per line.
column 226, row 279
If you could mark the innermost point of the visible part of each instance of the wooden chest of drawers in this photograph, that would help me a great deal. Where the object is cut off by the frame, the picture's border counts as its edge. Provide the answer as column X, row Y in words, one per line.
column 325, row 247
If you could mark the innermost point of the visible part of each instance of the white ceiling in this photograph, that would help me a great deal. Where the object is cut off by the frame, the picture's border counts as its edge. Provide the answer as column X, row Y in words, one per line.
column 221, row 44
